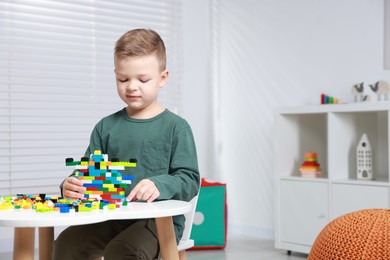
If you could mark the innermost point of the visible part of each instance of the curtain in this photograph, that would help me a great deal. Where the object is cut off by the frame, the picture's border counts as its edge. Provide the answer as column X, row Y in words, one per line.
column 57, row 79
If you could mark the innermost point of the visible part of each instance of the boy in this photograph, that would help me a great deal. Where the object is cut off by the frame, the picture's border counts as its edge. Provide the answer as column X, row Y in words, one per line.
column 162, row 143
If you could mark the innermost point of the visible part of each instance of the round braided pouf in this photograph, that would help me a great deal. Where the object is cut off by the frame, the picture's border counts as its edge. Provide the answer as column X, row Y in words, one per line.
column 363, row 234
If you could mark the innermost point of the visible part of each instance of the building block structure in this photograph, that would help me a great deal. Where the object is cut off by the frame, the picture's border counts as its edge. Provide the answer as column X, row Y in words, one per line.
column 101, row 177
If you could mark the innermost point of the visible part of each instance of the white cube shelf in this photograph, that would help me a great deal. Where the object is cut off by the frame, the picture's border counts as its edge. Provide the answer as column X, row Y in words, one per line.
column 333, row 132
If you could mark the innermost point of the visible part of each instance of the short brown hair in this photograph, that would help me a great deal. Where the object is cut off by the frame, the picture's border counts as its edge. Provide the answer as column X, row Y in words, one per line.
column 141, row 42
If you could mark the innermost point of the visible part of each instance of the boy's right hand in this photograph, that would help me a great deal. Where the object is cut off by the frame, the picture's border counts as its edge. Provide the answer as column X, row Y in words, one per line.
column 73, row 188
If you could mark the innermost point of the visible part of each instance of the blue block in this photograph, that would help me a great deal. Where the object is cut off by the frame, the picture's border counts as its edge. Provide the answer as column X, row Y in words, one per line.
column 117, row 196
column 64, row 209
column 92, row 185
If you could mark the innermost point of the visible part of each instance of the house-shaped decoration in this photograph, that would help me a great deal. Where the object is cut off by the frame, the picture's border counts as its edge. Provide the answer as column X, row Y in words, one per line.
column 364, row 159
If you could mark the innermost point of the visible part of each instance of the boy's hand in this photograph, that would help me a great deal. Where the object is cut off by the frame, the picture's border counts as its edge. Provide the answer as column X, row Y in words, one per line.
column 144, row 190
column 73, row 188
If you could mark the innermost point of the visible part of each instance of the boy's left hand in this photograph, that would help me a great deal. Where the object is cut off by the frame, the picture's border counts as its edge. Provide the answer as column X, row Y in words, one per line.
column 144, row 190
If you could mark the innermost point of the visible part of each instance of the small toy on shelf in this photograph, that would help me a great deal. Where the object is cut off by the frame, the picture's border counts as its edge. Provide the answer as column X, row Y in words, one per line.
column 357, row 91
column 382, row 89
column 364, row 158
column 325, row 99
column 310, row 168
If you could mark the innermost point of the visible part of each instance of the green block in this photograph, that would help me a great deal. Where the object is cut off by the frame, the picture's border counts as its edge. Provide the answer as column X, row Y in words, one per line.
column 74, row 163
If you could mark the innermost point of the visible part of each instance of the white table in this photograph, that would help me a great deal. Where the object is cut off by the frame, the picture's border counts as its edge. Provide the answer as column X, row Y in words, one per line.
column 26, row 220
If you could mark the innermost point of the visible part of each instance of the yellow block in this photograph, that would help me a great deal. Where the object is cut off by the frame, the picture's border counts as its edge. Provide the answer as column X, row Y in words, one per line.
column 103, row 165
column 84, row 163
column 87, row 178
column 126, row 164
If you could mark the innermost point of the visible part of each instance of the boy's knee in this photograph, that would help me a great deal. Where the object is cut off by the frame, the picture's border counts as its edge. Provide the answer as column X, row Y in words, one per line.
column 118, row 249
column 67, row 246
column 59, row 250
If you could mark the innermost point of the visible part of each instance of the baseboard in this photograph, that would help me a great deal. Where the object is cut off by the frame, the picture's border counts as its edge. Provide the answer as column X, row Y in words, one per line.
column 251, row 231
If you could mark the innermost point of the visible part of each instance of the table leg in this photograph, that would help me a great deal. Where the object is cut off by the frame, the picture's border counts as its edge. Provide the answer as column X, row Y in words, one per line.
column 46, row 238
column 24, row 239
column 166, row 238
column 183, row 255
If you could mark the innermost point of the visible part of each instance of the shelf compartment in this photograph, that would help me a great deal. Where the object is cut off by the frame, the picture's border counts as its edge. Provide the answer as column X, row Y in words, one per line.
column 297, row 134
column 304, row 210
column 345, row 131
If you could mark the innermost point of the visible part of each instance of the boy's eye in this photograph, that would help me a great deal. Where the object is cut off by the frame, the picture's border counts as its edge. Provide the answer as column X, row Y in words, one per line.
column 144, row 80
column 122, row 80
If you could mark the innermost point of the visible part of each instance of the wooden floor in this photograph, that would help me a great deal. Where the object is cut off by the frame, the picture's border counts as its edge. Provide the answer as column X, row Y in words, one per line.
column 237, row 248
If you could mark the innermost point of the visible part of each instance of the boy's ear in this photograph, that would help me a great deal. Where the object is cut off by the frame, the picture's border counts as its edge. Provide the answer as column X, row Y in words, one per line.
column 164, row 78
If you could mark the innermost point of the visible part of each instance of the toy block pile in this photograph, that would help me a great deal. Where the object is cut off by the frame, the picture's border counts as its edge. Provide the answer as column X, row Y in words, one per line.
column 6, row 202
column 105, row 188
column 310, row 168
column 42, row 203
column 101, row 177
column 23, row 201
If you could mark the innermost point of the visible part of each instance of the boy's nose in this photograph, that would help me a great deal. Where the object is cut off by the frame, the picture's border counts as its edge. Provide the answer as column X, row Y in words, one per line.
column 132, row 86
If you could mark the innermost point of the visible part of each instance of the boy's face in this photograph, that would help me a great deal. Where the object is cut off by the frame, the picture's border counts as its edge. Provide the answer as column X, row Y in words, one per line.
column 138, row 81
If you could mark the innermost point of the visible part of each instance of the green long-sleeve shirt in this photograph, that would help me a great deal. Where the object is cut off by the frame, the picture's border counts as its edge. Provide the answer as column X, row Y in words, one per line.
column 164, row 148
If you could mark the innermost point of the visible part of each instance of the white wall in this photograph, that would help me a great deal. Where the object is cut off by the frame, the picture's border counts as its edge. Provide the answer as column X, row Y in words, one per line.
column 196, row 79
column 271, row 53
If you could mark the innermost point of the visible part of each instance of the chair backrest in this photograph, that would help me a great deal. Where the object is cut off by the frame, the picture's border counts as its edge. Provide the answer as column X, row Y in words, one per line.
column 190, row 219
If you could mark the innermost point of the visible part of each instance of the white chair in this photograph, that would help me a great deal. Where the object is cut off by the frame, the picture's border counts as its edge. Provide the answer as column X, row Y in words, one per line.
column 185, row 242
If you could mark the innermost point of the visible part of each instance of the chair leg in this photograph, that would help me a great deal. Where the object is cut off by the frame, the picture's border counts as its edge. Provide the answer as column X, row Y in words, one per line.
column 183, row 255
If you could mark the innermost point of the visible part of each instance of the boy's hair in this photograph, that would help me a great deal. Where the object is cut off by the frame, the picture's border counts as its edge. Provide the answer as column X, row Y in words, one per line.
column 141, row 42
